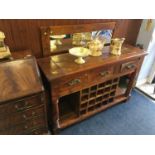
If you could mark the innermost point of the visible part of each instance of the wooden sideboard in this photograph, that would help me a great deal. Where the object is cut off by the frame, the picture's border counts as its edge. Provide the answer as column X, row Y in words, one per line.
column 79, row 91
column 22, row 98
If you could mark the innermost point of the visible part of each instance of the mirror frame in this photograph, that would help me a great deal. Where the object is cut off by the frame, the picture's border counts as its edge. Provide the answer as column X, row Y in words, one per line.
column 69, row 29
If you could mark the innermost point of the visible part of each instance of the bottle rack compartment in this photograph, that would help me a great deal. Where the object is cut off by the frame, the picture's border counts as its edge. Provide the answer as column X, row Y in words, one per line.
column 98, row 95
column 87, row 100
column 68, row 106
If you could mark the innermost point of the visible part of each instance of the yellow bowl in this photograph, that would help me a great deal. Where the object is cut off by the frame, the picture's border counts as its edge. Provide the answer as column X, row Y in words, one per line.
column 79, row 51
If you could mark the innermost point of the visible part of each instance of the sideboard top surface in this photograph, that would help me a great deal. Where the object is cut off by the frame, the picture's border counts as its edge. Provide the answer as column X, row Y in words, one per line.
column 62, row 65
column 19, row 78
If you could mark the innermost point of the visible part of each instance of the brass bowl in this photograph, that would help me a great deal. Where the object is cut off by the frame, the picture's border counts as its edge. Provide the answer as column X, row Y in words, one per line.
column 58, row 38
column 79, row 52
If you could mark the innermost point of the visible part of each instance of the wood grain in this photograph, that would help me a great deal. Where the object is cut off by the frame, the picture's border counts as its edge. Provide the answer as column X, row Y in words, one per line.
column 22, row 97
column 25, row 34
column 69, row 29
column 19, row 78
column 61, row 70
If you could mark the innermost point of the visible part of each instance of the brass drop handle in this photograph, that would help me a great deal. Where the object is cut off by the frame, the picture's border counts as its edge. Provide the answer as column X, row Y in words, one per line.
column 24, row 116
column 33, row 113
column 73, row 82
column 104, row 73
column 22, row 108
column 26, row 127
column 16, row 107
column 36, row 133
column 130, row 66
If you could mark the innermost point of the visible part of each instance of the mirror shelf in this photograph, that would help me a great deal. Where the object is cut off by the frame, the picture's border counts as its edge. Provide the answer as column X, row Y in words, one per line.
column 59, row 39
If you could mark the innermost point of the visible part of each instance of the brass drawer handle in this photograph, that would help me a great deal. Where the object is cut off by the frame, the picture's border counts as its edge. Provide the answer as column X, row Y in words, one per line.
column 104, row 73
column 73, row 82
column 21, row 108
column 130, row 66
column 33, row 113
column 42, row 98
column 26, row 127
column 24, row 116
column 36, row 133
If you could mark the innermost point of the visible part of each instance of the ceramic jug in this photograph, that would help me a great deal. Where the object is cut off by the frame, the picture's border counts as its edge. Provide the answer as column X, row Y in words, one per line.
column 116, row 45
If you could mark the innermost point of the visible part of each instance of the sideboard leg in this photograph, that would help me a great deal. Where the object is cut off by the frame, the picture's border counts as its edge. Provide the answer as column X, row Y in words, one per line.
column 55, row 116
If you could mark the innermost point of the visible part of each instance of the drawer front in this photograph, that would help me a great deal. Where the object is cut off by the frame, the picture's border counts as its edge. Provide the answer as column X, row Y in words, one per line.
column 19, row 117
column 100, row 74
column 71, row 83
column 22, row 104
column 25, row 127
column 129, row 66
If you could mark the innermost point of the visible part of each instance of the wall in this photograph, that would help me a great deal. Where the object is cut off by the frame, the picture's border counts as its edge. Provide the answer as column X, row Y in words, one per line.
column 147, row 39
column 25, row 34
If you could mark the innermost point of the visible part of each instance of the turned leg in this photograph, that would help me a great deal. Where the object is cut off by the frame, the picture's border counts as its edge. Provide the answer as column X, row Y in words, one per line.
column 55, row 115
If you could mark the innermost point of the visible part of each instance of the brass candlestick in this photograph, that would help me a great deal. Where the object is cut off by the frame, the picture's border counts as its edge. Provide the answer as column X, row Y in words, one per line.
column 4, row 50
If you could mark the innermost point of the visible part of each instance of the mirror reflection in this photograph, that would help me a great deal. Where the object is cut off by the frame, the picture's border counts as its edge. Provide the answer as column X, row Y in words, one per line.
column 62, row 43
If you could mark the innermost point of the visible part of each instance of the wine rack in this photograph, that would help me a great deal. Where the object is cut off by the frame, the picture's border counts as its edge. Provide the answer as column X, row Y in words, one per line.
column 97, row 96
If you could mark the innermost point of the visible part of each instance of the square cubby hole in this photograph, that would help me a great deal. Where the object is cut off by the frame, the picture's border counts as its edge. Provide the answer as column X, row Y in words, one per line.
column 92, row 102
column 93, row 95
column 100, row 92
column 85, row 91
column 93, row 88
column 84, row 98
column 101, row 85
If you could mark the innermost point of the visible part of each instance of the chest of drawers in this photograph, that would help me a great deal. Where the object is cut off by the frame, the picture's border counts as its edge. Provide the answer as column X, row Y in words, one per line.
column 22, row 98
column 79, row 91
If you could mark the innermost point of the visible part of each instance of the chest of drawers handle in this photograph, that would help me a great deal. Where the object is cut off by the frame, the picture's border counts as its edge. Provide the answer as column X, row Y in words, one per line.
column 26, row 127
column 104, row 73
column 32, row 114
column 73, row 82
column 24, row 116
column 130, row 66
column 21, row 108
column 36, row 133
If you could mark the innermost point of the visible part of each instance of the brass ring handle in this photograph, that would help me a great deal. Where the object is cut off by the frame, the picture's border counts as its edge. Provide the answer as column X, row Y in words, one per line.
column 130, row 66
column 104, row 73
column 73, row 82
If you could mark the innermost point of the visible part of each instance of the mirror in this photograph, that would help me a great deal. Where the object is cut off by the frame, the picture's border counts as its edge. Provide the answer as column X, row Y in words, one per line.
column 66, row 41
column 59, row 39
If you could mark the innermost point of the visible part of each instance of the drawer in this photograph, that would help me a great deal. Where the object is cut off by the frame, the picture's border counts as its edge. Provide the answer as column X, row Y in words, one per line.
column 19, row 117
column 101, row 74
column 129, row 66
column 21, row 105
column 25, row 127
column 71, row 83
